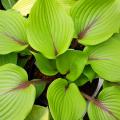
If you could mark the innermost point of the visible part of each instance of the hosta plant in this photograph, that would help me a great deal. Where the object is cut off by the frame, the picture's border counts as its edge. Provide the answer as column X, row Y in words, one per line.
column 60, row 60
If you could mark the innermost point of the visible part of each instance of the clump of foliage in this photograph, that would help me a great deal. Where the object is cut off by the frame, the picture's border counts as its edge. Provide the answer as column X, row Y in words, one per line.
column 72, row 43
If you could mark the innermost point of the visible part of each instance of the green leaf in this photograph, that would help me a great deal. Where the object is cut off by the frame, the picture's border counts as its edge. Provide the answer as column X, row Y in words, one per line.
column 7, row 4
column 46, row 66
column 89, row 73
column 67, row 4
column 82, row 80
column 105, row 59
column 12, row 32
column 96, row 20
column 39, row 89
column 16, row 98
column 109, row 84
column 9, row 58
column 38, row 113
column 107, row 107
column 50, row 28
column 24, row 6
column 65, row 100
column 71, row 63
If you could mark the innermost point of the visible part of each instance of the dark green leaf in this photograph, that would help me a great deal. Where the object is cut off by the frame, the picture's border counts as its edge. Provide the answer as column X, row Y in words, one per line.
column 9, row 58
column 7, row 4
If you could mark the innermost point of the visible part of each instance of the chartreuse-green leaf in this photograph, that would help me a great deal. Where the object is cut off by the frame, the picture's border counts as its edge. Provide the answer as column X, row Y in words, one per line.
column 95, row 20
column 108, row 105
column 9, row 58
column 16, row 101
column 67, row 4
column 38, row 113
column 24, row 6
column 71, row 63
column 13, row 36
column 7, row 4
column 46, row 66
column 65, row 100
column 50, row 28
column 105, row 59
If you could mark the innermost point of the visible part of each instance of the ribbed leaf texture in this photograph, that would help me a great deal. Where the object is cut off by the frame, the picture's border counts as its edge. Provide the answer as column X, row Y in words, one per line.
column 105, row 59
column 50, row 28
column 108, row 105
column 15, row 102
column 24, row 6
column 65, row 100
column 13, row 36
column 95, row 20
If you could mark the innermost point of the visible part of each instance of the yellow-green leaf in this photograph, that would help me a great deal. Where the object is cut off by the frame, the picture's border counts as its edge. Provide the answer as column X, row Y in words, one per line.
column 105, row 59
column 50, row 28
column 15, row 102
column 65, row 101
column 38, row 113
column 96, row 20
column 13, row 36
column 24, row 6
column 107, row 106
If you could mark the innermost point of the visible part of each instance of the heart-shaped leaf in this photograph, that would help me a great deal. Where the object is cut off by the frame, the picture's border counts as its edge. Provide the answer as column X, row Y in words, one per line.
column 9, row 58
column 12, row 32
column 38, row 113
column 24, row 6
column 96, row 20
column 71, row 63
column 16, row 98
column 50, row 28
column 46, row 66
column 105, row 59
column 107, row 107
column 65, row 100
